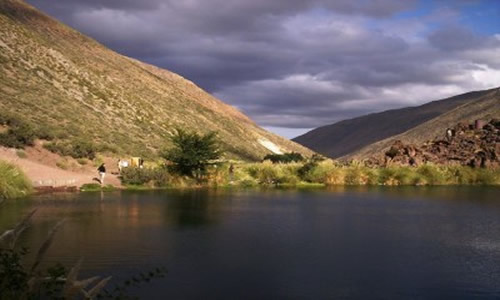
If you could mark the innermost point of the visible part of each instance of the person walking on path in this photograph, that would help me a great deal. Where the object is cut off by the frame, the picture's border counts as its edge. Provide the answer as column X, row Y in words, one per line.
column 231, row 173
column 102, row 172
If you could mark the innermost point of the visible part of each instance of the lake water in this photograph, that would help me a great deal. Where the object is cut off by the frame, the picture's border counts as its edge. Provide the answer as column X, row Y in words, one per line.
column 345, row 243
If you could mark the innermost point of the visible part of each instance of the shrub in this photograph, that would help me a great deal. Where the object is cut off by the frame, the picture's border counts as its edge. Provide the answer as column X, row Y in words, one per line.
column 76, row 148
column 95, row 187
column 488, row 176
column 137, row 176
column 326, row 172
column 218, row 176
column 82, row 161
column 306, row 168
column 18, row 136
column 284, row 158
column 407, row 176
column 45, row 133
column 460, row 175
column 13, row 182
column 20, row 132
column 386, row 176
column 242, row 177
column 400, row 176
column 62, row 164
column 354, row 176
column 311, row 163
column 432, row 174
column 83, row 149
column 21, row 154
column 370, row 176
column 265, row 173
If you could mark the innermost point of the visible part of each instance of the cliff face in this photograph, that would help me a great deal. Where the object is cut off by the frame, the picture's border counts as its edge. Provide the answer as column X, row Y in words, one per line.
column 62, row 80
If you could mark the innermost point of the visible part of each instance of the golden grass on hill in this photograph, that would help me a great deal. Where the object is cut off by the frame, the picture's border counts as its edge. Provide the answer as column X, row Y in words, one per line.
column 78, row 89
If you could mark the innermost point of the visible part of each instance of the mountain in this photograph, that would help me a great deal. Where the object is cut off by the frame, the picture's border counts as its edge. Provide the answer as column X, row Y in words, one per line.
column 62, row 80
column 351, row 135
column 484, row 108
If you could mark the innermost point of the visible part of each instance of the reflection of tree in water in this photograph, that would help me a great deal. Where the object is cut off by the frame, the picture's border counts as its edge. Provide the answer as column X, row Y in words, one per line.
column 193, row 208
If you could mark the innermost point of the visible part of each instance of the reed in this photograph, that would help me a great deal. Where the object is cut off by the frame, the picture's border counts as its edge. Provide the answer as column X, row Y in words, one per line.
column 13, row 182
column 326, row 172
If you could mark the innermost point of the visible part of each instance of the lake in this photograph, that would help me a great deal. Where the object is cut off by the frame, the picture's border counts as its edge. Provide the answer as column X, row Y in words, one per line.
column 341, row 243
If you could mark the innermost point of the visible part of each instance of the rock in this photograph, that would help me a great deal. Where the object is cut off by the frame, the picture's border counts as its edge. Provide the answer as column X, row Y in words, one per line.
column 479, row 148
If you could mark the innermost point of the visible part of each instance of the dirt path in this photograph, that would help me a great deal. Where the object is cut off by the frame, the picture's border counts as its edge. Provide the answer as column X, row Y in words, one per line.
column 40, row 166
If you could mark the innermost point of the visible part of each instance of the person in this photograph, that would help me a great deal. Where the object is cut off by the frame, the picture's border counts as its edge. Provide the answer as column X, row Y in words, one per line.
column 449, row 134
column 120, row 165
column 231, row 172
column 102, row 172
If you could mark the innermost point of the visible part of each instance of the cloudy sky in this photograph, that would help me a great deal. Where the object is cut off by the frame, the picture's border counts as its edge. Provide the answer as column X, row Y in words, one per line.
column 293, row 65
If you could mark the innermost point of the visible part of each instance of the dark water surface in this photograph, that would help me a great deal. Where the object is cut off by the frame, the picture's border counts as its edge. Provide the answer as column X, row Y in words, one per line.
column 358, row 243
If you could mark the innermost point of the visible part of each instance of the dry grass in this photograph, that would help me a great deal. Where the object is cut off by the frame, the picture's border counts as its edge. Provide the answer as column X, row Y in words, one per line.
column 13, row 182
column 78, row 89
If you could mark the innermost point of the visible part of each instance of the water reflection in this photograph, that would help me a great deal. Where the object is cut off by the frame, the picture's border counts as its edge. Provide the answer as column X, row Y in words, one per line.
column 343, row 242
column 194, row 208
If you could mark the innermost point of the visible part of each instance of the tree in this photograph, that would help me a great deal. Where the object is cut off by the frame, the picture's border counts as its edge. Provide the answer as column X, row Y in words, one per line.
column 191, row 152
column 284, row 158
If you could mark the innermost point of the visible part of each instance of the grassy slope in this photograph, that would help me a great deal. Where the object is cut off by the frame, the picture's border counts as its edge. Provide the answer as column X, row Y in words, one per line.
column 351, row 135
column 59, row 78
column 485, row 108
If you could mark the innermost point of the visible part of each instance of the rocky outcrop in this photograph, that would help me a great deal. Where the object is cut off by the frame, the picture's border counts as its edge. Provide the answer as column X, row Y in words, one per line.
column 476, row 145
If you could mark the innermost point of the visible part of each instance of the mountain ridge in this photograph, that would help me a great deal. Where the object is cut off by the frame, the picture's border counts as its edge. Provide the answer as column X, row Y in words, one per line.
column 56, row 77
column 486, row 107
column 348, row 136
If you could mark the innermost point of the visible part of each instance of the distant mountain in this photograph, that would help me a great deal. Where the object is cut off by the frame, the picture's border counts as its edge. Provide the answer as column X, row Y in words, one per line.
column 349, row 136
column 484, row 108
column 58, row 78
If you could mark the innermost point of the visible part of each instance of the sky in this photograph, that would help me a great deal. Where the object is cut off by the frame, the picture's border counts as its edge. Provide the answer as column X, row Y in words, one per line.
column 294, row 65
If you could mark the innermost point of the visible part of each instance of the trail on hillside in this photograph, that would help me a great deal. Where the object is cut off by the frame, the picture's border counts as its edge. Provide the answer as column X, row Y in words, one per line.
column 45, row 174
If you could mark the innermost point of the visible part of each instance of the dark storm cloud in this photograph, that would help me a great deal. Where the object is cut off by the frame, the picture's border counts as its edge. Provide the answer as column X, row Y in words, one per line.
column 456, row 39
column 297, row 63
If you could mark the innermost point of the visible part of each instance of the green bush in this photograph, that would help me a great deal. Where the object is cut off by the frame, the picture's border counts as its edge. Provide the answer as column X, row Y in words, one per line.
column 76, row 148
column 265, row 173
column 18, row 136
column 20, row 132
column 143, row 176
column 488, row 177
column 326, row 172
column 432, row 174
column 400, row 175
column 83, row 149
column 13, row 182
column 21, row 154
column 95, row 187
column 461, row 175
column 284, row 158
column 192, row 153
column 354, row 176
column 45, row 133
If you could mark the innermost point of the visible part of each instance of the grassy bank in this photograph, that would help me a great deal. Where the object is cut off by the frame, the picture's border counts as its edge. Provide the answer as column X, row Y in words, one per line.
column 13, row 182
column 325, row 173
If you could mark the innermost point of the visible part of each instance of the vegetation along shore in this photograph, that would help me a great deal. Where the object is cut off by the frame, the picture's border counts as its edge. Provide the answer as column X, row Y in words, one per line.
column 196, row 160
